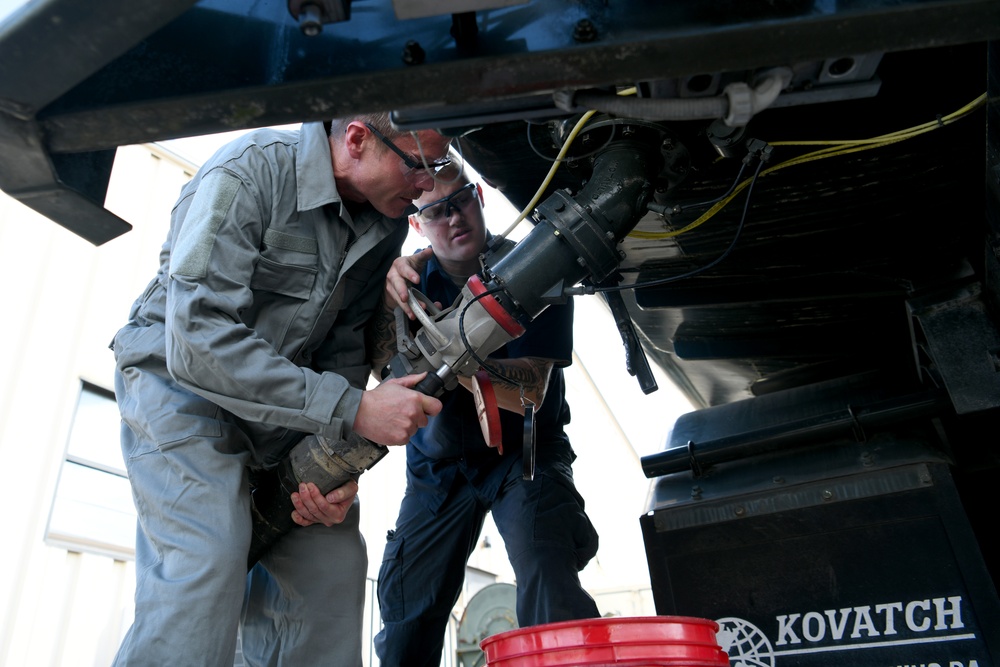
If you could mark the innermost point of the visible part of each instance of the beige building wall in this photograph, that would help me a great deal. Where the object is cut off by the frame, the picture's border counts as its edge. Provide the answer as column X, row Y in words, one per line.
column 66, row 602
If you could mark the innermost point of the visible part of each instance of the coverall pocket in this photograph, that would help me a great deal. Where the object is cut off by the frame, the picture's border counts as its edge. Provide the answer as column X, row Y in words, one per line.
column 357, row 281
column 390, row 580
column 561, row 515
column 291, row 280
column 161, row 413
column 137, row 345
column 280, row 290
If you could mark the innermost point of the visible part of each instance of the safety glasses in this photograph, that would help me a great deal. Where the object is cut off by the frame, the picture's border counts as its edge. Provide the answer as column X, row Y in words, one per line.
column 411, row 168
column 440, row 210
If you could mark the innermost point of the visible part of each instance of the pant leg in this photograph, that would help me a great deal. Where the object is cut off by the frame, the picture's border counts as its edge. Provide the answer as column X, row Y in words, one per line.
column 305, row 599
column 192, row 499
column 422, row 574
column 549, row 539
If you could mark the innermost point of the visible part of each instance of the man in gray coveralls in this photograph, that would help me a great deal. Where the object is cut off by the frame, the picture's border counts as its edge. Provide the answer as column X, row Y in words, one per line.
column 251, row 335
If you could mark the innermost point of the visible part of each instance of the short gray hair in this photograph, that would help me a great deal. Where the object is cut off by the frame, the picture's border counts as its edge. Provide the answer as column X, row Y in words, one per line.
column 379, row 120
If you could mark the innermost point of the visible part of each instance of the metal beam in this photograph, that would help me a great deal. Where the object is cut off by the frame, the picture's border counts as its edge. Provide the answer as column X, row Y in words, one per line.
column 519, row 54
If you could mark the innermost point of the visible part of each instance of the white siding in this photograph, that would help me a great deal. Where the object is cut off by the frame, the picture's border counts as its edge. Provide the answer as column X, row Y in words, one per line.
column 63, row 300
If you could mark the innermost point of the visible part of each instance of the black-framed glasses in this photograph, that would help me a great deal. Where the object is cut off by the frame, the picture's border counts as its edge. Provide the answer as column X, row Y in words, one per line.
column 411, row 168
column 440, row 209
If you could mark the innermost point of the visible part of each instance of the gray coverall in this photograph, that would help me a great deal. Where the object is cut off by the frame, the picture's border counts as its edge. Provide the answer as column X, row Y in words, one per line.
column 251, row 334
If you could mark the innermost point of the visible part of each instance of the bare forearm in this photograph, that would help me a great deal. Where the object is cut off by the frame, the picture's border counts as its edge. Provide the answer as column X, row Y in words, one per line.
column 382, row 338
column 381, row 333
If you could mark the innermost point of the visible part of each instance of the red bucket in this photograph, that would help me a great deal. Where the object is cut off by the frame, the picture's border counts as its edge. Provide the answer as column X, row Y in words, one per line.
column 675, row 641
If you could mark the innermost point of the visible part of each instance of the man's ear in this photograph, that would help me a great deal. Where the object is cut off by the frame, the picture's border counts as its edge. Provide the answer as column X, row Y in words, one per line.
column 415, row 225
column 479, row 190
column 354, row 138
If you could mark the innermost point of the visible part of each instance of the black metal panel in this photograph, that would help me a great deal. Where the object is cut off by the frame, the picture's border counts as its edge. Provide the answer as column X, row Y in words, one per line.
column 871, row 562
column 833, row 529
column 832, row 250
column 991, row 245
column 849, row 408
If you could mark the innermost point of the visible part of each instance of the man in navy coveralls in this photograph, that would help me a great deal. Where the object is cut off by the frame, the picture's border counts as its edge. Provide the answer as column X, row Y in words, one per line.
column 453, row 478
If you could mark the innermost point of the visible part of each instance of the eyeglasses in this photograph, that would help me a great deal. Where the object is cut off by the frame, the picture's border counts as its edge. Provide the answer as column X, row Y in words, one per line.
column 440, row 210
column 412, row 169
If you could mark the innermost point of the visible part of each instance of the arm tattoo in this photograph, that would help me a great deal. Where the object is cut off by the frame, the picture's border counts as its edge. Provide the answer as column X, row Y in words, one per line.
column 531, row 373
column 382, row 337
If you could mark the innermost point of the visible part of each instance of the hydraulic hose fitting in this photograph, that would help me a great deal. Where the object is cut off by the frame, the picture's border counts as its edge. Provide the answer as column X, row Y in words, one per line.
column 577, row 237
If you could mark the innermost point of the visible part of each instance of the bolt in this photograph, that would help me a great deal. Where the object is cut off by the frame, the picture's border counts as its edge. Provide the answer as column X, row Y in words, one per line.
column 310, row 20
column 696, row 492
column 778, row 479
column 413, row 53
column 827, row 494
column 584, row 31
column 866, row 459
column 740, row 510
column 581, row 261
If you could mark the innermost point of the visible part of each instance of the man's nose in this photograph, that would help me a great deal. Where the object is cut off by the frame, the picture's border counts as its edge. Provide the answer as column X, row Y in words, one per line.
column 423, row 180
column 452, row 213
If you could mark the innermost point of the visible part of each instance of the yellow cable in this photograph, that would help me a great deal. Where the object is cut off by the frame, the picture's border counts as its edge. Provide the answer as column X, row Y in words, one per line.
column 918, row 129
column 552, row 172
column 555, row 165
column 835, row 148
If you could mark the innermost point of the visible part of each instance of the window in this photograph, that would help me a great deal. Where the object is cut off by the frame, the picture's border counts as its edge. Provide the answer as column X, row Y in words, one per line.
column 93, row 509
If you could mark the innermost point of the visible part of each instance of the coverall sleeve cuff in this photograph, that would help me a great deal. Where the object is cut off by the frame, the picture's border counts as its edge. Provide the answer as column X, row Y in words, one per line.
column 347, row 409
column 332, row 402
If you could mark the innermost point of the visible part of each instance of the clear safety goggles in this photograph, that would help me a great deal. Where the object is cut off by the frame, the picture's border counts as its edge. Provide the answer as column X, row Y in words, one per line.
column 413, row 170
column 441, row 209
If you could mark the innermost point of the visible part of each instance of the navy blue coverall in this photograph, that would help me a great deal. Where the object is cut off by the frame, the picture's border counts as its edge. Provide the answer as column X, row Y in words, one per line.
column 453, row 479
